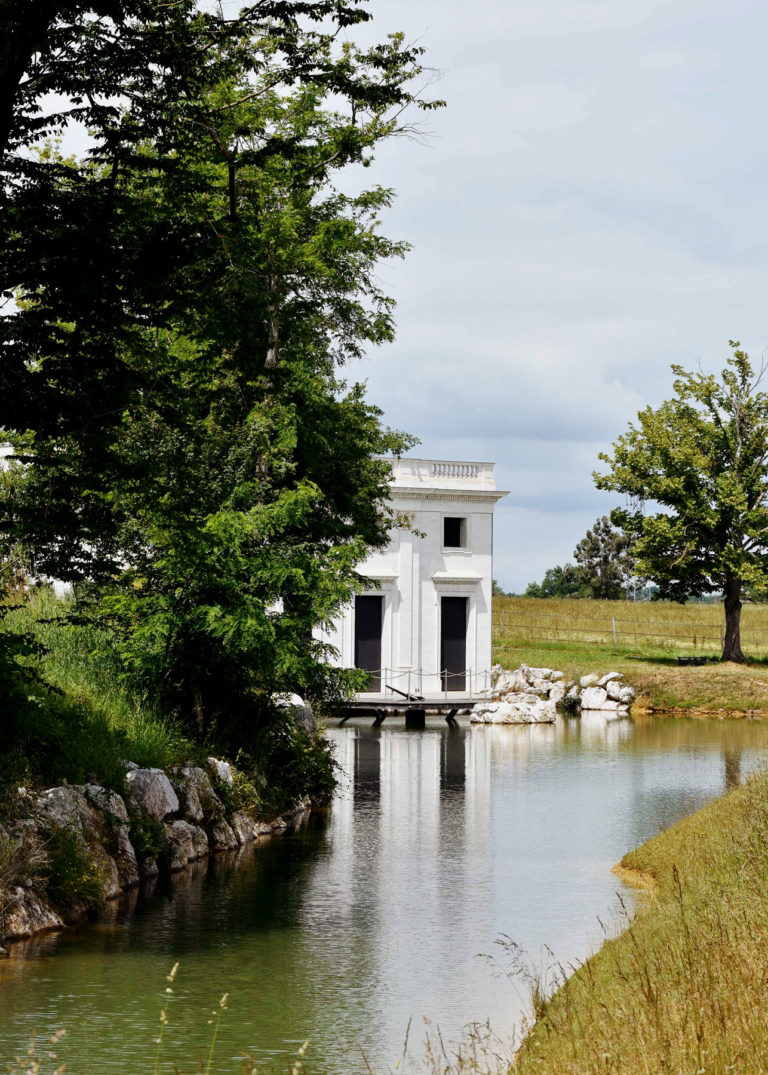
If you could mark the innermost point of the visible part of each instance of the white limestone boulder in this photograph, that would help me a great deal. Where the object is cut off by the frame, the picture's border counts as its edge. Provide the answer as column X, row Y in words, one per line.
column 606, row 693
column 541, row 686
column 557, row 693
column 597, row 698
column 118, row 830
column 549, row 674
column 609, row 677
column 27, row 912
column 151, row 791
column 68, row 809
column 613, row 689
column 300, row 711
column 523, row 709
column 221, row 771
column 220, row 836
column 198, row 784
column 245, row 828
column 510, row 683
column 197, row 799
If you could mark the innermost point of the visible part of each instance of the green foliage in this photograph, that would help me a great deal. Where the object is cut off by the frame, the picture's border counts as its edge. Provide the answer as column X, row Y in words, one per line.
column 295, row 765
column 604, row 556
column 71, row 881
column 193, row 462
column 67, row 711
column 246, row 793
column 567, row 581
column 703, row 456
column 604, row 568
column 147, row 835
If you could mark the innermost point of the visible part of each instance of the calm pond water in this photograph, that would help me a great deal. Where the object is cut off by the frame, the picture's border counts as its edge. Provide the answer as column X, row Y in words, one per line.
column 382, row 910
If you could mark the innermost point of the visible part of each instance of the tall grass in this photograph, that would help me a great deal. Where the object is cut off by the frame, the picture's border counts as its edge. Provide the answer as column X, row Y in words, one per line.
column 683, row 988
column 90, row 720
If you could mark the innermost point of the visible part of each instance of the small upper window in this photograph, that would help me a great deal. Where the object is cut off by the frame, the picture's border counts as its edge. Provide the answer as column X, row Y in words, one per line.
column 454, row 532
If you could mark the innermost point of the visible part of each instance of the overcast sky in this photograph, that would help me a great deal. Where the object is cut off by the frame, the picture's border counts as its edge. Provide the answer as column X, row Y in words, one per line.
column 591, row 207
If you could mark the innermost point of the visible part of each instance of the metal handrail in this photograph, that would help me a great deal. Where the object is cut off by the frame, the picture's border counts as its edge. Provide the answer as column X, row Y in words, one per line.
column 478, row 682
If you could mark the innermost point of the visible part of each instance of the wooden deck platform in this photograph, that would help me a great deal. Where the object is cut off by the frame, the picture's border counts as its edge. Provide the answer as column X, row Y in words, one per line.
column 414, row 710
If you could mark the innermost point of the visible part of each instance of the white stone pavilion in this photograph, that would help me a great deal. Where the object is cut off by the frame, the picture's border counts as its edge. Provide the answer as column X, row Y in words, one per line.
column 421, row 624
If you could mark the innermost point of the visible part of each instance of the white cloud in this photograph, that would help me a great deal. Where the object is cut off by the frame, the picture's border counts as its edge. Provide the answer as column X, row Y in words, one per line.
column 591, row 207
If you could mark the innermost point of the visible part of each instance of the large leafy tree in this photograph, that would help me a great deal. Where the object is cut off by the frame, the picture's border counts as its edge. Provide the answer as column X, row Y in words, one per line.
column 702, row 457
column 170, row 376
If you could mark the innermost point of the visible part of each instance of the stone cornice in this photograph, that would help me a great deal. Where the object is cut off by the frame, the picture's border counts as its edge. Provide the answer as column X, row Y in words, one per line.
column 486, row 496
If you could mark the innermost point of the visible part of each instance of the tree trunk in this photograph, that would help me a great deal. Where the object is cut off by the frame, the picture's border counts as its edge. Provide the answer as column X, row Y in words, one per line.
column 199, row 712
column 732, row 759
column 23, row 29
column 732, row 602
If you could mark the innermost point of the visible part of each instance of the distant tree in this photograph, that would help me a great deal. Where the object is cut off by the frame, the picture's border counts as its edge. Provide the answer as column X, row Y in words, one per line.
column 566, row 581
column 498, row 590
column 604, row 555
column 703, row 456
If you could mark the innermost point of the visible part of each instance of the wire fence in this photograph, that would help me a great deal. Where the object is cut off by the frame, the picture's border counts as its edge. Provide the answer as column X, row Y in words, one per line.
column 619, row 630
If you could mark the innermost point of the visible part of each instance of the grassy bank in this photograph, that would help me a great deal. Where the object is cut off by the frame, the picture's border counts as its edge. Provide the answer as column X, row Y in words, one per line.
column 71, row 715
column 683, row 989
column 577, row 637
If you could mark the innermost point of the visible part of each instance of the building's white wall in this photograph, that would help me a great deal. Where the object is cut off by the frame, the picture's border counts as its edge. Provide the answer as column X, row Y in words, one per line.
column 415, row 571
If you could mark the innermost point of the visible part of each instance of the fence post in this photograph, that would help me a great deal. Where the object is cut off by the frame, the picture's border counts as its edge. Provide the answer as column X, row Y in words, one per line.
column 613, row 625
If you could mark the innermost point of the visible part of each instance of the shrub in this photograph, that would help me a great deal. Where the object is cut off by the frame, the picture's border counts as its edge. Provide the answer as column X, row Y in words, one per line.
column 147, row 836
column 71, row 880
column 295, row 765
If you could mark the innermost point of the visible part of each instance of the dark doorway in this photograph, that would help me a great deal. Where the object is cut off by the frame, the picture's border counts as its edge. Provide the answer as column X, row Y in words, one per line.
column 453, row 643
column 368, row 626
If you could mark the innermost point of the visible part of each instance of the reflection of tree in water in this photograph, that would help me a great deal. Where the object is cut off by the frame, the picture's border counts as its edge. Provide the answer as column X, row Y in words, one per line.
column 231, row 894
column 732, row 764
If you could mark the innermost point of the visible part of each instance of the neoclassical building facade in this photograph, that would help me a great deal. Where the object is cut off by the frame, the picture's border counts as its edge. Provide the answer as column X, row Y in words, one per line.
column 421, row 623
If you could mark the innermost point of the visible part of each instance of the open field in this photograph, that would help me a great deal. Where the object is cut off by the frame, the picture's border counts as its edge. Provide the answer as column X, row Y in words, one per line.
column 578, row 637
column 683, row 988
column 639, row 625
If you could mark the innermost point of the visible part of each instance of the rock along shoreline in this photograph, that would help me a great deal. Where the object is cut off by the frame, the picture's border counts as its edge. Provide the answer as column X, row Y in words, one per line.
column 533, row 696
column 97, row 844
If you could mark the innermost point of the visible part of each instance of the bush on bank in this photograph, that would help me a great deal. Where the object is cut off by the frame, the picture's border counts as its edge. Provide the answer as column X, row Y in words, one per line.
column 683, row 988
